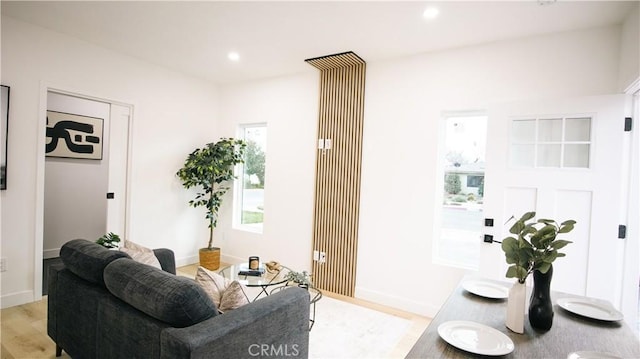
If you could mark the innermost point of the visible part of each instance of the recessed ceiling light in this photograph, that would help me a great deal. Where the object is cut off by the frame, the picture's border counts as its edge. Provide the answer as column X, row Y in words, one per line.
column 233, row 56
column 430, row 13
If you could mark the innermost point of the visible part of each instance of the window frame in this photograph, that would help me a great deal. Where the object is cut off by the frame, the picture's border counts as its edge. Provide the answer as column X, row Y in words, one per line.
column 436, row 256
column 536, row 142
column 238, row 196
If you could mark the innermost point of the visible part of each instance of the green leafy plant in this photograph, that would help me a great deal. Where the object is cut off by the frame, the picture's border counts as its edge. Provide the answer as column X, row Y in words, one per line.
column 452, row 183
column 303, row 278
column 255, row 162
column 535, row 245
column 109, row 240
column 211, row 168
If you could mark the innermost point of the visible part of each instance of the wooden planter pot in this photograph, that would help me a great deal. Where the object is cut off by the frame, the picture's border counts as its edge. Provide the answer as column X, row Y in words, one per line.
column 210, row 258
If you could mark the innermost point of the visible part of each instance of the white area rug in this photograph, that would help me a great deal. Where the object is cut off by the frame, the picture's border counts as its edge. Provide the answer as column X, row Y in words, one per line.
column 345, row 330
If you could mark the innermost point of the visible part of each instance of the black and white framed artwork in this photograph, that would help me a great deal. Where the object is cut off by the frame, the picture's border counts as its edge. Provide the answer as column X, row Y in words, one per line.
column 4, row 126
column 74, row 136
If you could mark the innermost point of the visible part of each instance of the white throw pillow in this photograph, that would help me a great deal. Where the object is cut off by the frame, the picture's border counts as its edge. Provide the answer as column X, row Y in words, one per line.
column 213, row 284
column 226, row 294
column 140, row 254
column 233, row 297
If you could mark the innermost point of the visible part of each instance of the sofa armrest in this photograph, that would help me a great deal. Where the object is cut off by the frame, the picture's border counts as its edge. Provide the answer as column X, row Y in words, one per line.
column 277, row 324
column 167, row 259
column 52, row 301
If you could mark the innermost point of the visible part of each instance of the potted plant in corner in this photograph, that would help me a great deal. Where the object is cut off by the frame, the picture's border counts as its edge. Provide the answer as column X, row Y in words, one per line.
column 533, row 250
column 211, row 168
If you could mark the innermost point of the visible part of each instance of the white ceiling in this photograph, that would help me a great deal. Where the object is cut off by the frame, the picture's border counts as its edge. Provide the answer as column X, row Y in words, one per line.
column 274, row 38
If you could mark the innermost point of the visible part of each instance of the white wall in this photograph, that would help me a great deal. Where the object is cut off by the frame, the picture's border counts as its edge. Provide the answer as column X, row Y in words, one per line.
column 75, row 189
column 172, row 115
column 403, row 103
column 630, row 50
column 397, row 213
column 289, row 106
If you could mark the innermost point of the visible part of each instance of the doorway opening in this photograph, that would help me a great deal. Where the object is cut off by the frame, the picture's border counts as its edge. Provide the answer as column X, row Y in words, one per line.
column 83, row 179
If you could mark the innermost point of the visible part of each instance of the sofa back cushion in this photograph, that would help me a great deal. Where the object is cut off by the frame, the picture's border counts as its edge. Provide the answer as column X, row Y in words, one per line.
column 87, row 259
column 177, row 301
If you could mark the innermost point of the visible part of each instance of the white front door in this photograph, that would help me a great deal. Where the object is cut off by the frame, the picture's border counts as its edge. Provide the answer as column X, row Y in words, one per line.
column 562, row 159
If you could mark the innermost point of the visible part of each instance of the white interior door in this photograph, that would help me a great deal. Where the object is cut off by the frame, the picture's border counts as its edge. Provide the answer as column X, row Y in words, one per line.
column 562, row 159
column 118, row 165
column 74, row 188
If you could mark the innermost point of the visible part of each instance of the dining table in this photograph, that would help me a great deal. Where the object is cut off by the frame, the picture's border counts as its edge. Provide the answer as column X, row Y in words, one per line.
column 571, row 336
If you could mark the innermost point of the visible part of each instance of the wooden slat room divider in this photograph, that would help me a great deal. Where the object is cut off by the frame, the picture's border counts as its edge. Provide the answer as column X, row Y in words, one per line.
column 338, row 162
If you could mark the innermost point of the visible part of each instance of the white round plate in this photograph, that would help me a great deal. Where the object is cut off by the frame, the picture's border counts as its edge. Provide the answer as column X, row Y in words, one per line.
column 591, row 355
column 475, row 338
column 590, row 308
column 485, row 288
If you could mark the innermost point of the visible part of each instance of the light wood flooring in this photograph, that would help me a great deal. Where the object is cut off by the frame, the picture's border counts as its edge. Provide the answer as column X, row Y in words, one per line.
column 23, row 329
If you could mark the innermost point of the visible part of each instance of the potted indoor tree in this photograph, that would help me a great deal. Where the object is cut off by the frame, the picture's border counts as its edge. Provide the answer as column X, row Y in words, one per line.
column 533, row 248
column 211, row 168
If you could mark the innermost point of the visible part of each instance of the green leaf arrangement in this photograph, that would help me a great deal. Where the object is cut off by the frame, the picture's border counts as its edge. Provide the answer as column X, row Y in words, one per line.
column 300, row 278
column 109, row 240
column 534, row 245
column 211, row 168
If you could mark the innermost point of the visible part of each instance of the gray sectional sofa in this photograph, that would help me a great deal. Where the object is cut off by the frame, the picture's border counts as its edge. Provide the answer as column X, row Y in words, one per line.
column 102, row 304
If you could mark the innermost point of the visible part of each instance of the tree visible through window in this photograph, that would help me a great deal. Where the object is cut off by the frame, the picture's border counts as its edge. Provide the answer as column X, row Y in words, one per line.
column 250, row 211
column 462, row 196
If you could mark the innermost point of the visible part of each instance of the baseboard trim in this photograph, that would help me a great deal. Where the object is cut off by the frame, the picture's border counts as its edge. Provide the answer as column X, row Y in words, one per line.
column 51, row 253
column 185, row 261
column 13, row 299
column 396, row 302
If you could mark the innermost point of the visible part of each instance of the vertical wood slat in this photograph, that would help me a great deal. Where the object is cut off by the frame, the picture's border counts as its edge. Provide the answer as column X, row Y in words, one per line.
column 337, row 193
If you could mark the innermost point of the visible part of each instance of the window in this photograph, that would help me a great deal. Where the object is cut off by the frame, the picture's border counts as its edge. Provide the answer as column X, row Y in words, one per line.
column 457, row 237
column 249, row 213
column 551, row 142
column 474, row 181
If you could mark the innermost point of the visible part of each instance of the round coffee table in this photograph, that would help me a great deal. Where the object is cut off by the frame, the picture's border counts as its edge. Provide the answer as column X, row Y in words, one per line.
column 314, row 296
column 264, row 281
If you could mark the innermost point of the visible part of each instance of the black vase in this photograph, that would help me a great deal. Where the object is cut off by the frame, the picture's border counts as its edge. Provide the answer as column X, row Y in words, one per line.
column 540, row 306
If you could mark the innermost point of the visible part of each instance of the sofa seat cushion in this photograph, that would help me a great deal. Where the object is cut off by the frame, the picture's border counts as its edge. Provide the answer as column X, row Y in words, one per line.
column 87, row 259
column 177, row 301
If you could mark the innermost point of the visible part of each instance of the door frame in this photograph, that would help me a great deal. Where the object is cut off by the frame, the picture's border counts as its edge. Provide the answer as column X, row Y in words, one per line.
column 38, row 237
column 631, row 271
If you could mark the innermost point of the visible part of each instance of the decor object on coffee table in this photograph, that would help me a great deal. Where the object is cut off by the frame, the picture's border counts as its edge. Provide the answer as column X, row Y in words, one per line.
column 533, row 251
column 211, row 168
column 303, row 279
